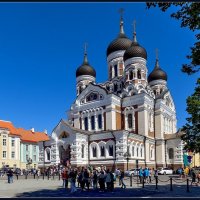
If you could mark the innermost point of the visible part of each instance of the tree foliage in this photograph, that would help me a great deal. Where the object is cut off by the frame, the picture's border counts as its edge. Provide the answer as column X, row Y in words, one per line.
column 189, row 15
column 192, row 127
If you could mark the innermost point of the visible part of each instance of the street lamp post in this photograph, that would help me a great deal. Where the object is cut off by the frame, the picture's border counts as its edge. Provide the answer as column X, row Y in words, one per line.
column 43, row 158
column 127, row 156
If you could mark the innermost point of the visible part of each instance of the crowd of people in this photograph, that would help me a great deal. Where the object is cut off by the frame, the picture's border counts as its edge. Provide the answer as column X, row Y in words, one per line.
column 101, row 179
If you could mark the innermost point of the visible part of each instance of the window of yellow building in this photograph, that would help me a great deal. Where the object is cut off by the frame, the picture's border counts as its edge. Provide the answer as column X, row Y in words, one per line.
column 4, row 142
column 4, row 154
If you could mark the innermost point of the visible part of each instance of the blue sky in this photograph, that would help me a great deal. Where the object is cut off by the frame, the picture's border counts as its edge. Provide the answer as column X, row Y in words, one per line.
column 41, row 46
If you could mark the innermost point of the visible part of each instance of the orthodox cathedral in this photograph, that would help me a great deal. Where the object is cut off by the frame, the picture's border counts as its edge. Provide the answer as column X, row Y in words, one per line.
column 125, row 122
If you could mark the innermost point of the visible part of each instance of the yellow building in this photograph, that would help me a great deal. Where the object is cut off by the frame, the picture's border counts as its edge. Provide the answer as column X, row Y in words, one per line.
column 9, row 145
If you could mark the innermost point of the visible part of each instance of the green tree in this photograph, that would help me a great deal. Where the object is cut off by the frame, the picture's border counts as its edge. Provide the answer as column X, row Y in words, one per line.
column 192, row 127
column 189, row 15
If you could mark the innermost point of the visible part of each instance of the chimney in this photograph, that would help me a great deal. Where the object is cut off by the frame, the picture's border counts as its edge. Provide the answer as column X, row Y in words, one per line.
column 45, row 131
column 32, row 129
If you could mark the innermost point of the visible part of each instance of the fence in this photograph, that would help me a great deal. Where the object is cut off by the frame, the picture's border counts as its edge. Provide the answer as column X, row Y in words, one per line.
column 132, row 179
column 156, row 180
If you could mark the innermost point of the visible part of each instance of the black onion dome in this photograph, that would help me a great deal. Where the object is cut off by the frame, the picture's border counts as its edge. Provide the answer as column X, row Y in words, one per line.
column 157, row 73
column 121, row 42
column 85, row 69
column 135, row 50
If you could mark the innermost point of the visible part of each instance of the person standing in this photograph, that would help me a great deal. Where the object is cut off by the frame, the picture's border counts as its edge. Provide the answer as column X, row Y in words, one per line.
column 86, row 179
column 121, row 178
column 64, row 176
column 108, row 180
column 102, row 181
column 94, row 179
column 150, row 174
column 38, row 174
column 140, row 174
column 72, row 176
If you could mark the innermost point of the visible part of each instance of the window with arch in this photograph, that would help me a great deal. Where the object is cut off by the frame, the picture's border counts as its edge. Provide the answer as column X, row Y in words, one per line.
column 141, row 152
column 48, row 154
column 131, row 75
column 82, row 150
column 151, row 153
column 86, row 123
column 63, row 135
column 130, row 121
column 80, row 89
column 115, row 87
column 108, row 87
column 102, row 151
column 171, row 153
column 137, row 151
column 100, row 121
column 139, row 74
column 94, row 152
column 92, row 123
column 115, row 70
column 110, row 150
column 133, row 151
column 92, row 97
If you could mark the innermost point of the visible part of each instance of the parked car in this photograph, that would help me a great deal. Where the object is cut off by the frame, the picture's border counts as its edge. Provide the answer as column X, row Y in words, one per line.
column 131, row 172
column 165, row 171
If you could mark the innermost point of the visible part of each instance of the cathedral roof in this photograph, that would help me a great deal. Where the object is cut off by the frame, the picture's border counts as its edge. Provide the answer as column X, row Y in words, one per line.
column 157, row 73
column 85, row 68
column 135, row 50
column 120, row 43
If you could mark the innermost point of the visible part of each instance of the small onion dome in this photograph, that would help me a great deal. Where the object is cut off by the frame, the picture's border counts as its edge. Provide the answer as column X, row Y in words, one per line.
column 120, row 43
column 85, row 69
column 135, row 50
column 157, row 73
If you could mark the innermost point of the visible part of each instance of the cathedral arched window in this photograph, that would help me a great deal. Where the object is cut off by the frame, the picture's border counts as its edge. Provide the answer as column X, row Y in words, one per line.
column 130, row 75
column 86, row 123
column 171, row 153
column 130, row 121
column 139, row 74
column 151, row 153
column 110, row 150
column 115, row 87
column 100, row 121
column 94, row 152
column 115, row 70
column 102, row 150
column 48, row 154
column 82, row 150
column 108, row 87
column 80, row 89
column 133, row 151
column 92, row 123
column 137, row 151
column 141, row 152
column 110, row 74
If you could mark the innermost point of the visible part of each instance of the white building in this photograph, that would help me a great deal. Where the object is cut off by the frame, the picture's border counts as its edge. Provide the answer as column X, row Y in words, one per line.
column 131, row 112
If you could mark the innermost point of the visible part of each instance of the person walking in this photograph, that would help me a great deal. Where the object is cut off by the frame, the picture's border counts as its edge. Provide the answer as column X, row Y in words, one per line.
column 72, row 176
column 86, row 179
column 102, row 181
column 64, row 177
column 121, row 178
column 141, row 174
column 108, row 180
column 95, row 179
column 38, row 174
column 193, row 174
column 150, row 174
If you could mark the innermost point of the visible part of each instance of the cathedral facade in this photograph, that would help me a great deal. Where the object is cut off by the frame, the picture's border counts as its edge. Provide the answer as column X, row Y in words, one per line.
column 125, row 122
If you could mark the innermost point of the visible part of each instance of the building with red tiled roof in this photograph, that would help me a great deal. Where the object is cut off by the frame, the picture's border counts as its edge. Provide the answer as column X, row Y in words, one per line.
column 19, row 146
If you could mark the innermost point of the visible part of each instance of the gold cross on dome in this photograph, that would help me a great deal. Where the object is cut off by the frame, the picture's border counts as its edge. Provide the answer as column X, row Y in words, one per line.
column 156, row 53
column 121, row 11
column 85, row 47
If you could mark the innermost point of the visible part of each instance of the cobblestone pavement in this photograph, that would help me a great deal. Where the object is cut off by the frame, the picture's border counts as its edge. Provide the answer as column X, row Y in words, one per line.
column 53, row 188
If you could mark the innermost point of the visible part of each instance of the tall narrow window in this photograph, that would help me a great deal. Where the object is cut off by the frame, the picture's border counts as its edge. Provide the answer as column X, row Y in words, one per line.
column 137, row 151
column 12, row 154
column 102, row 151
column 115, row 70
column 86, row 123
column 141, row 152
column 115, row 87
column 13, row 142
column 100, row 121
column 130, row 75
column 4, row 142
column 82, row 150
column 27, row 147
column 80, row 89
column 139, row 74
column 4, row 154
column 151, row 153
column 130, row 121
column 111, row 150
column 92, row 123
column 94, row 152
column 110, row 74
column 133, row 151
column 171, row 153
column 48, row 154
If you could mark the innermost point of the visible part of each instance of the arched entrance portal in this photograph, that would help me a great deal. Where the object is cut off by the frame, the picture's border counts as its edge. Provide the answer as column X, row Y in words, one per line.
column 64, row 155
